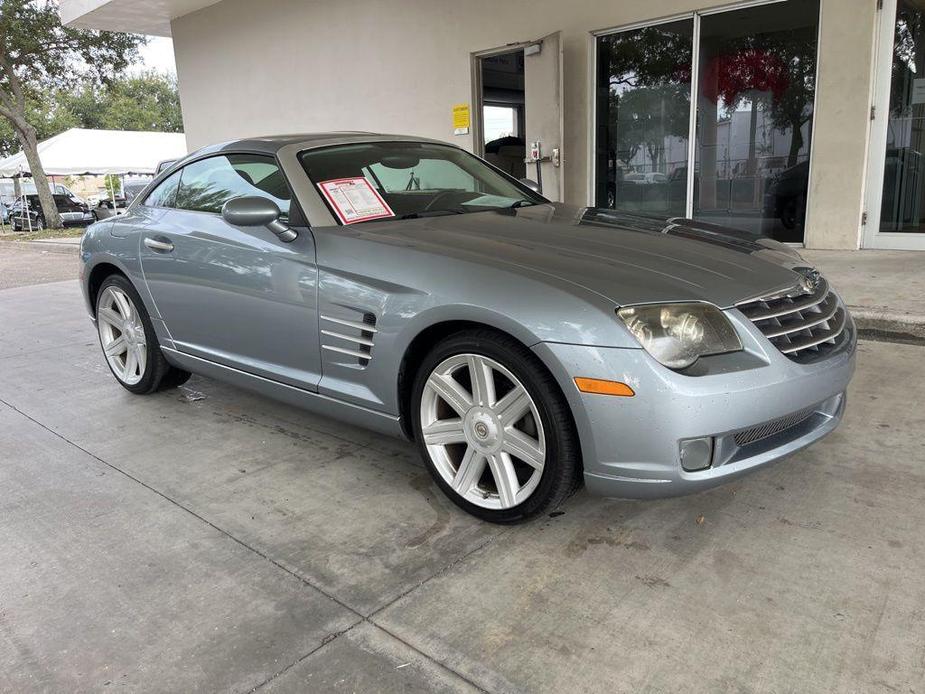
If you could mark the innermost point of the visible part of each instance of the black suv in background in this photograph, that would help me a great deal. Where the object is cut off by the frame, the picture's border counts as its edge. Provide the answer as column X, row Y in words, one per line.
column 73, row 213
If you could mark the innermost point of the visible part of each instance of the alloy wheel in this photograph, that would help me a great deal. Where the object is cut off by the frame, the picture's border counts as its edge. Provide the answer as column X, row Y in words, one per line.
column 122, row 335
column 483, row 431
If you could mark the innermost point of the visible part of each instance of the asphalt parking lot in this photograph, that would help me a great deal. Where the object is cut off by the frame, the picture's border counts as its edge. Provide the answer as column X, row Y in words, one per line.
column 205, row 539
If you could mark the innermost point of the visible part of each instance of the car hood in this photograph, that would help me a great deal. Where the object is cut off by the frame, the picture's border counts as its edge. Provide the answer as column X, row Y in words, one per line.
column 626, row 259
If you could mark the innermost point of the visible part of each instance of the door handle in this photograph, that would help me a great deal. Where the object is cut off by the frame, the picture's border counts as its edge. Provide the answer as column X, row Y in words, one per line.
column 156, row 245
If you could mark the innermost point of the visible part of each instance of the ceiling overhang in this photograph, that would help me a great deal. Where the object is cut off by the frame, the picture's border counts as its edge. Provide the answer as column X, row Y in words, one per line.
column 133, row 16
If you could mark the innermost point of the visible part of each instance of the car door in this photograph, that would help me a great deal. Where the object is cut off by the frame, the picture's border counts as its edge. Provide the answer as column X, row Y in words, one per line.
column 233, row 295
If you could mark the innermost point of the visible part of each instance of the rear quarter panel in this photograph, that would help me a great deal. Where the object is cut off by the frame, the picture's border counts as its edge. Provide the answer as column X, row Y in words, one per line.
column 115, row 242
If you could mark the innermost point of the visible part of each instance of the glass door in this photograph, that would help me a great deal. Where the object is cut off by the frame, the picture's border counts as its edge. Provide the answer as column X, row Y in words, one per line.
column 896, row 190
column 752, row 72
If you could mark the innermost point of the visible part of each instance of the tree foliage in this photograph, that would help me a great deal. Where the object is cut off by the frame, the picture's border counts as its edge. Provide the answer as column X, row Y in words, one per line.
column 144, row 102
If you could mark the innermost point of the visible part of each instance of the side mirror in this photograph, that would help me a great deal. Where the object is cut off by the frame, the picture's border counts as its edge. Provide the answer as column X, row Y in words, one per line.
column 256, row 211
column 532, row 185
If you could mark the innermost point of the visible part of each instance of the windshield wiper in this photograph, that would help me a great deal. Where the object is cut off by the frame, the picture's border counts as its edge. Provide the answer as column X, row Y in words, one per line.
column 523, row 203
column 431, row 213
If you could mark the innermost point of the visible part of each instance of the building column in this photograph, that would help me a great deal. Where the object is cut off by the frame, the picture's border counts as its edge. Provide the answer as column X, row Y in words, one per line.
column 842, row 124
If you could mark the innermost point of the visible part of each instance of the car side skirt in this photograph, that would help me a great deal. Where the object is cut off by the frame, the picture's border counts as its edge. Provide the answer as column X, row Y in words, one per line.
column 303, row 399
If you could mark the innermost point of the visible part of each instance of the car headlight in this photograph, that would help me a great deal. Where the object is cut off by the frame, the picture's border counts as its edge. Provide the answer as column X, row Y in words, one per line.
column 677, row 335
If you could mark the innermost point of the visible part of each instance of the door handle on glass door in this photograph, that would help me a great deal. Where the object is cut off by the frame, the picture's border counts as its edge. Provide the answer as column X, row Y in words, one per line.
column 156, row 245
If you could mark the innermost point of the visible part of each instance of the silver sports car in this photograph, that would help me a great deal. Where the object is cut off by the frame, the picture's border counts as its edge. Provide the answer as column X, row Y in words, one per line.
column 527, row 347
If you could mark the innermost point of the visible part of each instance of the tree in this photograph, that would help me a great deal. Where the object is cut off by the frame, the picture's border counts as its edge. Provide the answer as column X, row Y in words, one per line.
column 37, row 54
column 149, row 101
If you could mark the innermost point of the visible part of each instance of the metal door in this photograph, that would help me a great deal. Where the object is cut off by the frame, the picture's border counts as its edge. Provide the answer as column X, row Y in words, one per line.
column 543, row 98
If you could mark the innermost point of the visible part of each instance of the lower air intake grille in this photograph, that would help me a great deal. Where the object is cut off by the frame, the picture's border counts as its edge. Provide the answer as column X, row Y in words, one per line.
column 764, row 431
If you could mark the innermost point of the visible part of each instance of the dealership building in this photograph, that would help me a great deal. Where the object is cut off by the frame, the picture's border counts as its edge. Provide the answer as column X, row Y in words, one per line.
column 801, row 119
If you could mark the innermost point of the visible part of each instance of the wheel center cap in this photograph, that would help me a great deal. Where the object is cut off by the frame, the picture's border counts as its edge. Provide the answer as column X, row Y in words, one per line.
column 483, row 429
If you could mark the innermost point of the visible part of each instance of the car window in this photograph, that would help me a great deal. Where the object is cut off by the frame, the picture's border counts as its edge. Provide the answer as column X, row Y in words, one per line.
column 428, row 174
column 404, row 180
column 165, row 194
column 207, row 184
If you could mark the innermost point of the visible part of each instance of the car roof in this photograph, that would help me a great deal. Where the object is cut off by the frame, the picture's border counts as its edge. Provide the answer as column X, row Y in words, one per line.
column 273, row 143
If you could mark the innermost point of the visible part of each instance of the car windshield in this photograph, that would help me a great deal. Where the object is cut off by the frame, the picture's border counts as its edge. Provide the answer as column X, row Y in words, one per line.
column 406, row 180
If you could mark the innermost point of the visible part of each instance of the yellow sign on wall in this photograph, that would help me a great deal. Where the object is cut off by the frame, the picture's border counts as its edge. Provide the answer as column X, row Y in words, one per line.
column 461, row 119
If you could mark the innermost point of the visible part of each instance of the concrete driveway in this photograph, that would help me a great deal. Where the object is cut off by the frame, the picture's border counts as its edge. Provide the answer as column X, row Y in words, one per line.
column 204, row 539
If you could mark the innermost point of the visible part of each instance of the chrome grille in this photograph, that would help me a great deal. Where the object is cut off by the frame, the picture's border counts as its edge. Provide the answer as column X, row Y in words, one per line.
column 804, row 325
column 764, row 431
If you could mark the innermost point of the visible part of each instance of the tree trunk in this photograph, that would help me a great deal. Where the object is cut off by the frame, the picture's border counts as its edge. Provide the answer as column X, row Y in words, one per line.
column 27, row 138
column 751, row 165
column 796, row 143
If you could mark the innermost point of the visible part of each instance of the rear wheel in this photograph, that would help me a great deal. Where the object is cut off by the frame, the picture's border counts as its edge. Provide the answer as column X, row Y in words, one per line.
column 493, row 427
column 128, row 340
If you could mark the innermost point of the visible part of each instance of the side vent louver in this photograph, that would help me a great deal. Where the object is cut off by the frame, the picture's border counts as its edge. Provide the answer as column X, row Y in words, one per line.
column 350, row 338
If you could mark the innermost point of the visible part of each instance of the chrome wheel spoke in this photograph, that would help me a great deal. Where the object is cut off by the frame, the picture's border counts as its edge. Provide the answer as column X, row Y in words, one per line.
column 141, row 357
column 513, row 405
column 131, row 364
column 444, row 431
column 116, row 347
column 124, row 306
column 111, row 317
column 483, row 384
column 502, row 469
column 449, row 389
column 469, row 471
column 523, row 447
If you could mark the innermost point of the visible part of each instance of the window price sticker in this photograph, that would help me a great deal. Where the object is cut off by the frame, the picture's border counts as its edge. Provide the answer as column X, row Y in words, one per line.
column 355, row 200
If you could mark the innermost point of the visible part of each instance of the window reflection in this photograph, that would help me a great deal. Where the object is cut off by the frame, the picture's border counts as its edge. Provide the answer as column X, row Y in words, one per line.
column 755, row 112
column 643, row 101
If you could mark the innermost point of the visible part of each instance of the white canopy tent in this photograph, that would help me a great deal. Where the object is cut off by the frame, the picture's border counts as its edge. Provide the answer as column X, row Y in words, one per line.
column 82, row 152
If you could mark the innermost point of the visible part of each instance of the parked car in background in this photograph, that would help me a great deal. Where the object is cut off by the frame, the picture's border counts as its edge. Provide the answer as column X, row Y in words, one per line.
column 72, row 212
column 785, row 199
column 109, row 207
column 525, row 346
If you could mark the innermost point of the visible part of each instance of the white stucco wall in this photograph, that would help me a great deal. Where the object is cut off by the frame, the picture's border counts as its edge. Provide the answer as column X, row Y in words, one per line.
column 250, row 68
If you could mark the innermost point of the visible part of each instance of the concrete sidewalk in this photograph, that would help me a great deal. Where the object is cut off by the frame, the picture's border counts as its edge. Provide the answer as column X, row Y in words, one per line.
column 884, row 289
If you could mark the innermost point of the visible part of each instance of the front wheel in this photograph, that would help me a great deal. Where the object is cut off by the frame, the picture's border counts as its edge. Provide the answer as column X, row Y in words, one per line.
column 493, row 427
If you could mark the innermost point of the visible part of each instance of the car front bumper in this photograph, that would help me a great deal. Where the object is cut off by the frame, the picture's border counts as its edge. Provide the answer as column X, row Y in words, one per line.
column 758, row 407
column 76, row 218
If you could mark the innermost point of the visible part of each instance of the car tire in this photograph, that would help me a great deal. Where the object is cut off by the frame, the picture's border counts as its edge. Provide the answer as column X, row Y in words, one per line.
column 491, row 431
column 137, row 362
column 175, row 378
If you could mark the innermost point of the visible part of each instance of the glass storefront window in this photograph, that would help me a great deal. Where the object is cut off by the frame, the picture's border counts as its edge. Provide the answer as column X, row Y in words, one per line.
column 757, row 85
column 643, row 119
column 754, row 87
